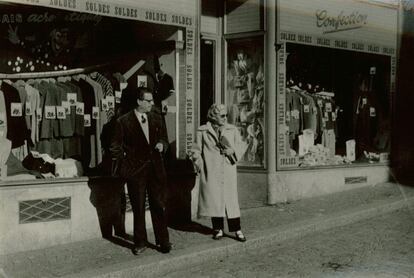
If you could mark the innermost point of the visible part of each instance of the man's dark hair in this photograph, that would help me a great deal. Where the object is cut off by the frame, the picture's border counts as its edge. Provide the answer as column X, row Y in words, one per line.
column 141, row 91
column 130, row 96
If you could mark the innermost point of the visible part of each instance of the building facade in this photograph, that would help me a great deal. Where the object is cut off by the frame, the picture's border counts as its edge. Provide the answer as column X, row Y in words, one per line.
column 309, row 84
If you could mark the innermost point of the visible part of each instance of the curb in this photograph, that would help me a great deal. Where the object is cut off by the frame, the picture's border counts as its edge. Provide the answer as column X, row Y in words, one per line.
column 160, row 264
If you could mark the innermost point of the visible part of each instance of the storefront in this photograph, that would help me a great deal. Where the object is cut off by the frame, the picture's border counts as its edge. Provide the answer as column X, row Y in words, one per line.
column 65, row 71
column 336, row 69
column 310, row 85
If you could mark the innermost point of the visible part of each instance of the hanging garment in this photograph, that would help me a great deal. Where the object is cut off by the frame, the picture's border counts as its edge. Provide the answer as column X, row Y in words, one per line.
column 19, row 133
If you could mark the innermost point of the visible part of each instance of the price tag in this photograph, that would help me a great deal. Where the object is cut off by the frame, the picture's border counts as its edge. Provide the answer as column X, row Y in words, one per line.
column 28, row 110
column 364, row 101
column 72, row 98
column 333, row 116
column 87, row 120
column 142, row 81
column 50, row 112
column 328, row 107
column 306, row 108
column 61, row 113
column 315, row 110
column 39, row 114
column 66, row 106
column 104, row 104
column 372, row 112
column 118, row 95
column 320, row 103
column 111, row 102
column 95, row 112
column 16, row 109
column 80, row 108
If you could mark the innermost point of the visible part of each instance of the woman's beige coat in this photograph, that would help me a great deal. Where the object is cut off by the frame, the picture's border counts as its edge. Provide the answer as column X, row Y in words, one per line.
column 218, row 178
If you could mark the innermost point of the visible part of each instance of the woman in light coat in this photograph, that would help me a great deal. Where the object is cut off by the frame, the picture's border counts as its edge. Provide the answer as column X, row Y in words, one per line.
column 214, row 154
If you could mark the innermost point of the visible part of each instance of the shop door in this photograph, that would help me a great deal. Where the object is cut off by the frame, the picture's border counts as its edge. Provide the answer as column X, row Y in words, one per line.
column 207, row 77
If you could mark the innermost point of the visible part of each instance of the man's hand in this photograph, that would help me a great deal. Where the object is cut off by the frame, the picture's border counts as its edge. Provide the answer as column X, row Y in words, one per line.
column 164, row 106
column 159, row 147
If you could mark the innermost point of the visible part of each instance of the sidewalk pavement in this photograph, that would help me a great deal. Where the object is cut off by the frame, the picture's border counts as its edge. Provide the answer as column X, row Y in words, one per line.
column 193, row 244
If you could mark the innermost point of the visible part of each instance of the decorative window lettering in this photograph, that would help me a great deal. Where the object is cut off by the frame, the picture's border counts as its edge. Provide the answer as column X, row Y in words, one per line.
column 341, row 22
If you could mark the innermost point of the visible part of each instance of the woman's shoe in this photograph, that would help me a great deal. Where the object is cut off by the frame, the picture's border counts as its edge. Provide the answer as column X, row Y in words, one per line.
column 218, row 234
column 240, row 237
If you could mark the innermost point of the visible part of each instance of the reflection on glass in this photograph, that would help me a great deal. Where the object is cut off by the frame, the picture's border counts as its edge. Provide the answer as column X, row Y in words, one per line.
column 245, row 95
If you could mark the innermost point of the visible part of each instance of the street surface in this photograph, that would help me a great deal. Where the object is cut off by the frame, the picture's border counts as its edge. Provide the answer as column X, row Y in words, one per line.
column 378, row 247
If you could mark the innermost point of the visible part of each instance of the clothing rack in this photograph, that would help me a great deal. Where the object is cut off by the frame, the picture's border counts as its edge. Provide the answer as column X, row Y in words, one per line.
column 50, row 74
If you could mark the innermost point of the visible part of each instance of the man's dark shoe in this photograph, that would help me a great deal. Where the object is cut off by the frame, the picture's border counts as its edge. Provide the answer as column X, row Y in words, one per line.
column 165, row 248
column 138, row 249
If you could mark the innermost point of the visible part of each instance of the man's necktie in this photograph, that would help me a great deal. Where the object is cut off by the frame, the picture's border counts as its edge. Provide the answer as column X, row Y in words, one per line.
column 144, row 126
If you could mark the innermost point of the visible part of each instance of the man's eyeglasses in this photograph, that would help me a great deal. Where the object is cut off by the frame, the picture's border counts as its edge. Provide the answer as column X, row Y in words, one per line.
column 148, row 100
column 223, row 116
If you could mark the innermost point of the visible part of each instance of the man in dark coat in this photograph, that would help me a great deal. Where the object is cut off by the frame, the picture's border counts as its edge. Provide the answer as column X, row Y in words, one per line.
column 138, row 145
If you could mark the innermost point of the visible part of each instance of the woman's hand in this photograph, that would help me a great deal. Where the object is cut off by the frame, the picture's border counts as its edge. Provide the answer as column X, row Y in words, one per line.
column 228, row 151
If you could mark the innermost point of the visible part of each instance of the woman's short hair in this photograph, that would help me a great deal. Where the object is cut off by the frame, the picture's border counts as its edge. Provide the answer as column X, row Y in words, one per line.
column 214, row 112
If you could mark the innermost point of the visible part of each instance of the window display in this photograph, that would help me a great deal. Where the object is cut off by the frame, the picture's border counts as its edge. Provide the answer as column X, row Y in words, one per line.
column 61, row 85
column 337, row 106
column 245, row 95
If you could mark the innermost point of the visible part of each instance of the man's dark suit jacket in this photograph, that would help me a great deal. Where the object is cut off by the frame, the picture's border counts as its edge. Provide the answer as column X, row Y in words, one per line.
column 132, row 151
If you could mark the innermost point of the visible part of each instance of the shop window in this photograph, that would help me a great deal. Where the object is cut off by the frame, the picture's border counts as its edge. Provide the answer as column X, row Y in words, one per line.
column 337, row 106
column 245, row 95
column 63, row 83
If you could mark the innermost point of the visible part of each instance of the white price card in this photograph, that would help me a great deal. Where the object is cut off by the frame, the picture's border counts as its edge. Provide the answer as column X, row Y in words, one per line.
column 28, row 110
column 72, row 98
column 16, row 109
column 118, row 95
column 61, row 114
column 39, row 114
column 80, row 108
column 306, row 108
column 111, row 102
column 142, row 81
column 372, row 112
column 364, row 101
column 95, row 112
column 50, row 112
column 104, row 103
column 66, row 106
column 87, row 120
